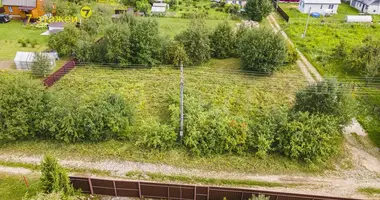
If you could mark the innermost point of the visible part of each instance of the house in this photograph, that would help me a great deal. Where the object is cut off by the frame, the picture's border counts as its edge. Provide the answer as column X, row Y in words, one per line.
column 20, row 8
column 159, row 8
column 366, row 6
column 241, row 2
column 318, row 6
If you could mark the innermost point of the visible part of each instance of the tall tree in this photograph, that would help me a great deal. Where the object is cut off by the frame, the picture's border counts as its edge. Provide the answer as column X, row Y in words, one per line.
column 222, row 41
column 258, row 9
column 196, row 42
column 41, row 65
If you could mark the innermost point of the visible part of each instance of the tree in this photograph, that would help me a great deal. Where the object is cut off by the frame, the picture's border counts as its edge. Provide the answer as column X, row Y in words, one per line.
column 145, row 42
column 143, row 6
column 258, row 9
column 174, row 53
column 116, row 43
column 222, row 41
column 54, row 178
column 196, row 42
column 261, row 50
column 65, row 41
column 41, row 65
column 326, row 97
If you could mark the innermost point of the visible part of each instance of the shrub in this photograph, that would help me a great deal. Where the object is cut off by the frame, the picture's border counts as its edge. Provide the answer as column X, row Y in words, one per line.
column 41, row 66
column 258, row 9
column 116, row 44
column 259, row 197
column 222, row 41
column 291, row 54
column 22, row 106
column 309, row 137
column 261, row 50
column 33, row 43
column 65, row 41
column 154, row 135
column 22, row 42
column 54, row 178
column 27, row 40
column 264, row 128
column 326, row 97
column 196, row 42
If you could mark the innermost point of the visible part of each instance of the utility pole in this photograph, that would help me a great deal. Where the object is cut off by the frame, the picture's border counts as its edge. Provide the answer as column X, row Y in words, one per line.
column 307, row 23
column 181, row 103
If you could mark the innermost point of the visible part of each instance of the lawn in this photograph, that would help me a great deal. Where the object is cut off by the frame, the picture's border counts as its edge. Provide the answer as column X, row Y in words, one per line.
column 220, row 83
column 13, row 187
column 13, row 31
column 321, row 39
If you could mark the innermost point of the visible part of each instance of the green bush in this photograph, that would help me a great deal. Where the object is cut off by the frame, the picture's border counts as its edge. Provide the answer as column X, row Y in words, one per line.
column 261, row 50
column 196, row 42
column 154, row 135
column 33, row 43
column 222, row 41
column 309, row 137
column 291, row 54
column 258, row 9
column 41, row 66
column 22, row 106
column 326, row 97
column 54, row 178
column 174, row 53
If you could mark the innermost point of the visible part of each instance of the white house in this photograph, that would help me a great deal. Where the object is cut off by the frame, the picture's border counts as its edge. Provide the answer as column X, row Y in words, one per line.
column 319, row 6
column 241, row 2
column 366, row 6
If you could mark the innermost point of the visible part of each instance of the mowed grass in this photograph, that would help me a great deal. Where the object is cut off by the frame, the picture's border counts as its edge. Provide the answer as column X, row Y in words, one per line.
column 220, row 83
column 13, row 31
column 12, row 186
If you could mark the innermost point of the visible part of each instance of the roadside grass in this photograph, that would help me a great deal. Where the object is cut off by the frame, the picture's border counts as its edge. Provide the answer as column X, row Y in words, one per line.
column 13, row 186
column 13, row 31
column 369, row 191
column 318, row 45
column 159, row 177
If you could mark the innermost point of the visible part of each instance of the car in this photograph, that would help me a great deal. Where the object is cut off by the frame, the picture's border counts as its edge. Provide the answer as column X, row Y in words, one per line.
column 4, row 18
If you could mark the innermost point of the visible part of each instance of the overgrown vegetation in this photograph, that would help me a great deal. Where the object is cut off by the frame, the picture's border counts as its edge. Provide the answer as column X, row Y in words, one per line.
column 41, row 66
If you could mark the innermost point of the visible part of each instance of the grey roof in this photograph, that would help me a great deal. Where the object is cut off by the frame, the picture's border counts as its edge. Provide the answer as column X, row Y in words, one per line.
column 369, row 2
column 28, row 3
column 159, row 4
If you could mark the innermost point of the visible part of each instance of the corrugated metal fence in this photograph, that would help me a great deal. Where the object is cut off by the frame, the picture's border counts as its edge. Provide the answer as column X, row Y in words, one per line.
column 151, row 190
column 66, row 68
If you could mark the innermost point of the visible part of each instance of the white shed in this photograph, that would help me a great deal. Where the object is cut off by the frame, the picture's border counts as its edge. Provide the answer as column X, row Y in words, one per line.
column 358, row 18
column 159, row 8
column 319, row 6
column 24, row 60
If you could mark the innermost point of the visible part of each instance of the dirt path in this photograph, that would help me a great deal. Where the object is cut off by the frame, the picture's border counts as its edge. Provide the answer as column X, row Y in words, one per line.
column 14, row 170
column 5, row 64
column 342, row 183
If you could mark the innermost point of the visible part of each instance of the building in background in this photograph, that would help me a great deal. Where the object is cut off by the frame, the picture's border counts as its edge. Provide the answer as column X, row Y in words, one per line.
column 319, row 6
column 366, row 6
column 20, row 8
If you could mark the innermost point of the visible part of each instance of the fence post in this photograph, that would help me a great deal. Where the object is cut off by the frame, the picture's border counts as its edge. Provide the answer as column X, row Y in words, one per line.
column 90, row 184
column 114, row 188
column 139, row 189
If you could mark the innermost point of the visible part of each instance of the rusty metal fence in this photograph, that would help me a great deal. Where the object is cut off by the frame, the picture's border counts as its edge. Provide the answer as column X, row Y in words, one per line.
column 66, row 68
column 151, row 190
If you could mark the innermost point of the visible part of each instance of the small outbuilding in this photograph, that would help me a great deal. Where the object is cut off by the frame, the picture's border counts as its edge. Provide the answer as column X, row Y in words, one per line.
column 359, row 18
column 319, row 6
column 25, row 60
column 159, row 8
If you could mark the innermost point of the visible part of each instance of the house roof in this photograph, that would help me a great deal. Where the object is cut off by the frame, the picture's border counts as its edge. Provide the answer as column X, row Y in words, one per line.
column 27, row 3
column 321, row 1
column 369, row 2
column 159, row 4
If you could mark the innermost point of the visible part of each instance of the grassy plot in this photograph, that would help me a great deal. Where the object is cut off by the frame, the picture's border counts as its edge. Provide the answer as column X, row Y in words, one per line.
column 369, row 191
column 13, row 186
column 13, row 31
column 220, row 83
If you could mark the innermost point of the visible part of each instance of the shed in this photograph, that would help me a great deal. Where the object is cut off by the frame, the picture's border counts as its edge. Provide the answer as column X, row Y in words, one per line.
column 319, row 6
column 159, row 8
column 24, row 60
column 358, row 18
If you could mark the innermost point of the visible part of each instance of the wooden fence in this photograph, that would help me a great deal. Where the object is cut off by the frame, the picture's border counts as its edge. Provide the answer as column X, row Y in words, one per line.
column 151, row 190
column 281, row 11
column 66, row 68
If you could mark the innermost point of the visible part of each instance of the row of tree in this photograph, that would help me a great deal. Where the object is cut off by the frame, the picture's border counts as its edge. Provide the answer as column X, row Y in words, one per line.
column 130, row 40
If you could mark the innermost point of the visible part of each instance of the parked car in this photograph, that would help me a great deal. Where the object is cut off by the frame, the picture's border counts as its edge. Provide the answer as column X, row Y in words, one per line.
column 4, row 18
